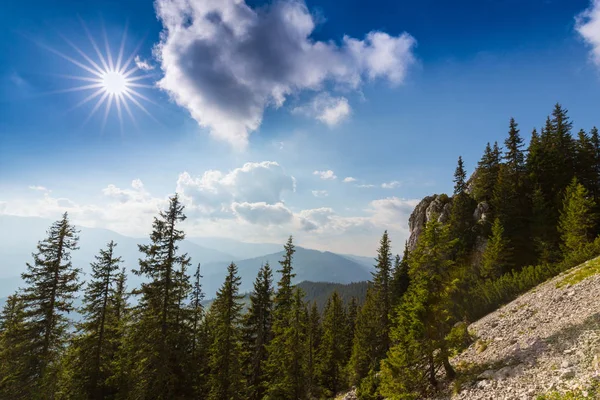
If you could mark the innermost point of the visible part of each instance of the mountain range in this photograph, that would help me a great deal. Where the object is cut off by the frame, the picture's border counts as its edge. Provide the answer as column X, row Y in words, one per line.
column 19, row 236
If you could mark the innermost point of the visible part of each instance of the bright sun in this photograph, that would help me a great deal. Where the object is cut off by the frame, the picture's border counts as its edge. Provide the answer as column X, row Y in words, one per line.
column 114, row 82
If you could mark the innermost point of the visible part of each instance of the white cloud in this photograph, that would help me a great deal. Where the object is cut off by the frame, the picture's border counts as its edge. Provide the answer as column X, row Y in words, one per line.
column 325, row 175
column 327, row 109
column 262, row 213
column 320, row 193
column 39, row 188
column 349, row 179
column 390, row 185
column 215, row 191
column 143, row 64
column 588, row 26
column 366, row 185
column 225, row 62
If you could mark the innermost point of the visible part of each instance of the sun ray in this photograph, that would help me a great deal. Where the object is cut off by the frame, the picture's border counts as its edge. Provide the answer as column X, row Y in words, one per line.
column 96, row 107
column 121, row 48
column 70, row 59
column 78, row 78
column 140, row 106
column 139, row 77
column 87, row 99
column 75, row 89
column 94, row 45
column 119, row 113
column 109, row 80
column 131, row 56
column 128, row 110
column 106, row 111
column 107, row 47
column 141, row 85
column 81, row 53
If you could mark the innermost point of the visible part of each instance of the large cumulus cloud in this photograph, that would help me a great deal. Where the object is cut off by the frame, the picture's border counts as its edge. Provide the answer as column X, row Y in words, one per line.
column 588, row 26
column 225, row 61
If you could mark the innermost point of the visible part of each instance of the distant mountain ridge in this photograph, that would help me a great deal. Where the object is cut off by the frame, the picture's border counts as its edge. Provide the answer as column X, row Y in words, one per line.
column 19, row 237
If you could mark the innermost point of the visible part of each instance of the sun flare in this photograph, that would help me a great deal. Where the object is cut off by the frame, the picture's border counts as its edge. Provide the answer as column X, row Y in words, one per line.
column 114, row 82
column 111, row 80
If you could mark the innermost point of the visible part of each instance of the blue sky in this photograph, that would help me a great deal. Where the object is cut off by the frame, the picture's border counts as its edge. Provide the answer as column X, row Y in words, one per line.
column 248, row 102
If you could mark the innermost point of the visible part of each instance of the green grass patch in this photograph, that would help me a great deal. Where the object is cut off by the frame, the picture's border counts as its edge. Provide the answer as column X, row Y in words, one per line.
column 591, row 268
column 588, row 394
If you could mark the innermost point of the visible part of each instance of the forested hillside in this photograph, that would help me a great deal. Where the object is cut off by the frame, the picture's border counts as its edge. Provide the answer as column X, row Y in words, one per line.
column 541, row 203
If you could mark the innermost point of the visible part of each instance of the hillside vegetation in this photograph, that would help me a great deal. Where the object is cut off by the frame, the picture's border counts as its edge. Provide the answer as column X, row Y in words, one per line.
column 525, row 216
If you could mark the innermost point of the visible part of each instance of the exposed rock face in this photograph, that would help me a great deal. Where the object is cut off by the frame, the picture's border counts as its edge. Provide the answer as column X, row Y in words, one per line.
column 439, row 205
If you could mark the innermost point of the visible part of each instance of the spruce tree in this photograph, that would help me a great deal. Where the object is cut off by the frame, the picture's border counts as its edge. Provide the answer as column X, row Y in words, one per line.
column 314, row 335
column 51, row 283
column 159, row 354
column 13, row 350
column 286, row 363
column 332, row 352
column 425, row 317
column 576, row 219
column 382, row 278
column 364, row 357
column 257, row 333
column 98, row 333
column 400, row 278
column 226, row 379
column 461, row 214
column 511, row 203
column 487, row 174
column 494, row 256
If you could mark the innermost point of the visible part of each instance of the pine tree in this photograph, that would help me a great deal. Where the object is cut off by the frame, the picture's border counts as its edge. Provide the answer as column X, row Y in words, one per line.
column 94, row 347
column 494, row 256
column 511, row 203
column 351, row 317
column 460, row 177
column 576, row 219
column 424, row 318
column 332, row 351
column 226, row 380
column 286, row 364
column 199, row 341
column 487, row 174
column 461, row 214
column 400, row 279
column 159, row 354
column 382, row 278
column 51, row 284
column 13, row 350
column 257, row 333
column 364, row 357
column 314, row 335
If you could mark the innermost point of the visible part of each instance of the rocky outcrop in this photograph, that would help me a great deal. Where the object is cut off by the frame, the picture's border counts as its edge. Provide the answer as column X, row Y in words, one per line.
column 438, row 204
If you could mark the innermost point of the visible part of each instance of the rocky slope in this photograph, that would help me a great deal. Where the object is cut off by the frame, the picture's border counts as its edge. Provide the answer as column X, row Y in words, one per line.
column 546, row 342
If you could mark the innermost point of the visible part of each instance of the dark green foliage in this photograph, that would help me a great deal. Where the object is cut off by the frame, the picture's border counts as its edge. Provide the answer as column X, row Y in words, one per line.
column 95, row 348
column 13, row 347
column 371, row 339
column 159, row 354
column 460, row 177
column 51, row 284
column 226, row 379
column 424, row 317
column 576, row 218
column 332, row 353
column 487, row 174
column 286, row 363
column 320, row 292
column 400, row 278
column 257, row 333
column 314, row 334
column 494, row 257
